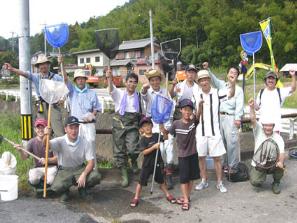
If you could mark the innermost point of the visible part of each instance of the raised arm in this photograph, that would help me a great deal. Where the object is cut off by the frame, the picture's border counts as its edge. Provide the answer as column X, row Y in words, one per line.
column 252, row 113
column 171, row 91
column 109, row 80
column 7, row 66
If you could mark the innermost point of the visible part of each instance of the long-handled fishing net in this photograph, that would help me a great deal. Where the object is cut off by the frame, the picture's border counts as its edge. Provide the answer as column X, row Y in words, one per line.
column 161, row 111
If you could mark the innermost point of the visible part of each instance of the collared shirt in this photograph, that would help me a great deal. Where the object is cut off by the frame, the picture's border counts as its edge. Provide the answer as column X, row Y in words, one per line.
column 117, row 96
column 148, row 99
column 35, row 78
column 209, row 119
column 82, row 102
column 232, row 106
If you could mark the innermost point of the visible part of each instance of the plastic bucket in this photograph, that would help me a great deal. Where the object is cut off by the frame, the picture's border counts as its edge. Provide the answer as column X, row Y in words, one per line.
column 8, row 187
column 209, row 163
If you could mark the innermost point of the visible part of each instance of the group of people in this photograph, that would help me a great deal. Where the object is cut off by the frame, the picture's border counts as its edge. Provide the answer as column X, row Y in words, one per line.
column 204, row 123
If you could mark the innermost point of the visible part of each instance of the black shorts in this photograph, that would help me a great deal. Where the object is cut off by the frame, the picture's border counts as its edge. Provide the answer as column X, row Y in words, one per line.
column 147, row 171
column 188, row 168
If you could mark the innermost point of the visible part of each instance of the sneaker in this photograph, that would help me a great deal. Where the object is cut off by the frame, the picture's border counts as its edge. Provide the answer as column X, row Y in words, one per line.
column 203, row 184
column 221, row 187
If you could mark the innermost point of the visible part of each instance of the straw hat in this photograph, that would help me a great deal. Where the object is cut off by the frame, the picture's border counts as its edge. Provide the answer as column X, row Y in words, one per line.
column 79, row 73
column 153, row 73
column 41, row 59
column 203, row 74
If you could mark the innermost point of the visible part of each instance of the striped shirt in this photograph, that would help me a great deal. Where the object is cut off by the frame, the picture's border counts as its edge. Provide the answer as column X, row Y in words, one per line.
column 185, row 137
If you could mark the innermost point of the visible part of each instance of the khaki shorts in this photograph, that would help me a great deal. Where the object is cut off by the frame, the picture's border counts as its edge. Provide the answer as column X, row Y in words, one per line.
column 210, row 145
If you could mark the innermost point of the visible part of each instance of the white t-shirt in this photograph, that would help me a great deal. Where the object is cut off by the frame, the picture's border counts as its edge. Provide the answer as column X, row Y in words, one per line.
column 270, row 106
column 260, row 137
column 183, row 91
column 71, row 154
column 209, row 120
column 117, row 95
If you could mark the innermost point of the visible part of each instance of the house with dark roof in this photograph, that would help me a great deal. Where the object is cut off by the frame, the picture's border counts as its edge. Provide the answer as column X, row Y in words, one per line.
column 135, row 54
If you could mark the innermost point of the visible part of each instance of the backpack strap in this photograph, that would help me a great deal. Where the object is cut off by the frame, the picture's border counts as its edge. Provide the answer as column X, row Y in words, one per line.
column 261, row 92
column 202, row 119
column 279, row 95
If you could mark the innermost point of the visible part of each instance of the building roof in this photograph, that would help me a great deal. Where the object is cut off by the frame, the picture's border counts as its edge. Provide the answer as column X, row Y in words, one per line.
column 86, row 51
column 135, row 44
column 125, row 45
column 120, row 62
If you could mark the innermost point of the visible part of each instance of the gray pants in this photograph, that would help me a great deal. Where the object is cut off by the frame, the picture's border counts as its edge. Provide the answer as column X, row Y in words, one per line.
column 125, row 138
column 56, row 118
column 230, row 136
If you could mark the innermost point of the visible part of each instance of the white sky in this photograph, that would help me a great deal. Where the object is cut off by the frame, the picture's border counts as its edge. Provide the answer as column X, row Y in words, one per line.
column 52, row 12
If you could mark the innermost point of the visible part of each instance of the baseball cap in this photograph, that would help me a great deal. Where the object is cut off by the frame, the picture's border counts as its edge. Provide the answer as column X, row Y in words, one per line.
column 270, row 74
column 71, row 120
column 191, row 67
column 40, row 121
column 145, row 120
column 185, row 102
column 267, row 120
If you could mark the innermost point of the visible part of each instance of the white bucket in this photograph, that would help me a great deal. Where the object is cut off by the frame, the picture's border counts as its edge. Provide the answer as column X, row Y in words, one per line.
column 8, row 187
column 209, row 163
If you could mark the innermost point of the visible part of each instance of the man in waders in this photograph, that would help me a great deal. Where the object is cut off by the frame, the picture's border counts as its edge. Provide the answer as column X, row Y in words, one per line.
column 125, row 126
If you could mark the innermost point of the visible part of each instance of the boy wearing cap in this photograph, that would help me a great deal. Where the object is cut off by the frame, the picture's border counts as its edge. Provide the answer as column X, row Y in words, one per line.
column 262, row 132
column 270, row 99
column 185, row 89
column 149, row 145
column 36, row 146
column 73, row 152
column 43, row 66
column 231, row 111
column 84, row 105
column 148, row 93
column 208, row 136
column 125, row 123
column 184, row 130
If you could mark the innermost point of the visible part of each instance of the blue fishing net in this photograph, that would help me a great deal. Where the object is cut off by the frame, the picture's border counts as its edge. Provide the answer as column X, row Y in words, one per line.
column 251, row 42
column 161, row 109
column 57, row 35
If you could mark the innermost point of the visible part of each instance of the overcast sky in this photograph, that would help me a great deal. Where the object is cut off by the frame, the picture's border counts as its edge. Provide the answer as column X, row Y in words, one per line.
column 52, row 12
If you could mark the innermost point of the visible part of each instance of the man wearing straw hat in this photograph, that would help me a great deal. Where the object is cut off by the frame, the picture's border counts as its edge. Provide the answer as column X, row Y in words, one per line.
column 84, row 105
column 43, row 66
column 148, row 93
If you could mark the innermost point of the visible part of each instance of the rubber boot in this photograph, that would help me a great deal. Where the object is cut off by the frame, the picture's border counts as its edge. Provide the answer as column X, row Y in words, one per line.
column 277, row 175
column 125, row 177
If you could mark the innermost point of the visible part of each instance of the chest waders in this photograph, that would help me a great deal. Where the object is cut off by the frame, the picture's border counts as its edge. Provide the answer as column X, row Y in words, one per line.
column 125, row 134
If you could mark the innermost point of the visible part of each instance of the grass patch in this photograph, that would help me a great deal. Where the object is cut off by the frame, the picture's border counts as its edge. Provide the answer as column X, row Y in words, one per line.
column 105, row 164
column 11, row 129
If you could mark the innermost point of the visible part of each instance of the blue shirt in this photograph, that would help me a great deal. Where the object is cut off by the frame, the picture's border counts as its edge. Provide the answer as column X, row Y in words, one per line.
column 232, row 106
column 35, row 78
column 82, row 101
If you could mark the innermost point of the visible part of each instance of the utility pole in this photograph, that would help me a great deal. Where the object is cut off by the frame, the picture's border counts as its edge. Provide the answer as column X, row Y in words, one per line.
column 152, row 40
column 24, row 64
column 44, row 25
column 12, row 41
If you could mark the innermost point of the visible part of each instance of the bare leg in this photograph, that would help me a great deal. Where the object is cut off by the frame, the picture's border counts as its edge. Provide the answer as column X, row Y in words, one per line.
column 218, row 167
column 202, row 166
column 163, row 187
column 138, row 191
column 190, row 186
column 185, row 192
